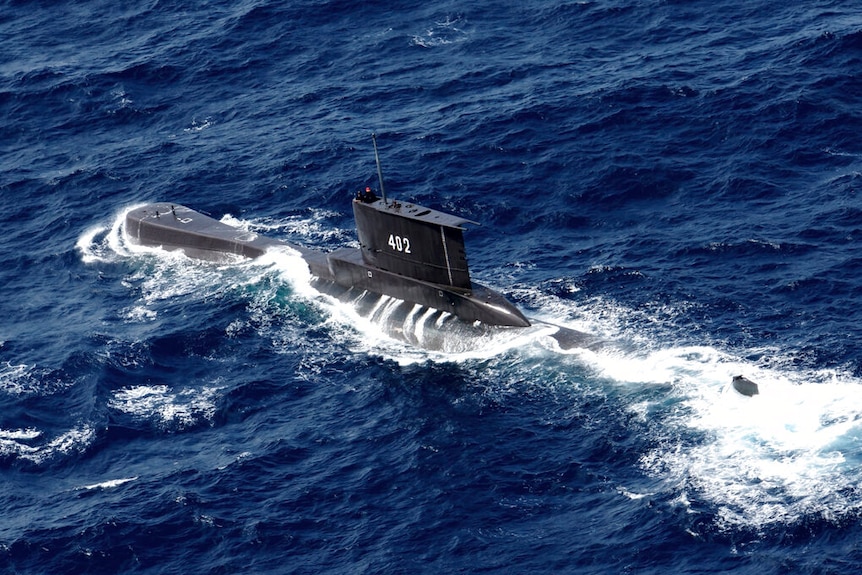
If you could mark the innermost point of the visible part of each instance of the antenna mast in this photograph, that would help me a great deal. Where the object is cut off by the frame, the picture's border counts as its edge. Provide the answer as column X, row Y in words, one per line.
column 379, row 171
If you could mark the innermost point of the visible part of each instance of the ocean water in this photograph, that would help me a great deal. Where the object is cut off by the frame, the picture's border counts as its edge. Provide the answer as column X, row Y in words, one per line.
column 679, row 178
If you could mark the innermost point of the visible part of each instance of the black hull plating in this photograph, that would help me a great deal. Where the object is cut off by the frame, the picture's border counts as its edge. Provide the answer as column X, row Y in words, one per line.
column 176, row 227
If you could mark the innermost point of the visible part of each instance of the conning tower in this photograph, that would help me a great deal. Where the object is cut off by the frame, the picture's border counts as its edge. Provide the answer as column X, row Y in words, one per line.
column 413, row 241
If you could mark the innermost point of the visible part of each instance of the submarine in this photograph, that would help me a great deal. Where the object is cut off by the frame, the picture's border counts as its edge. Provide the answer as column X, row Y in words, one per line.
column 407, row 251
column 411, row 253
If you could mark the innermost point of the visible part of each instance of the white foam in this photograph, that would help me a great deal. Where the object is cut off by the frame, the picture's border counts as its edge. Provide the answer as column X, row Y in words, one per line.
column 166, row 407
column 19, row 434
column 16, row 379
column 88, row 245
column 312, row 227
column 18, row 443
column 22, row 379
column 444, row 32
column 199, row 126
column 290, row 267
column 791, row 451
column 103, row 244
column 110, row 484
column 139, row 314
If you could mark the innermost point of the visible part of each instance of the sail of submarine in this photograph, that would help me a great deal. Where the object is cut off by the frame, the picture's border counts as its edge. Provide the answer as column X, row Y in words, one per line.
column 407, row 251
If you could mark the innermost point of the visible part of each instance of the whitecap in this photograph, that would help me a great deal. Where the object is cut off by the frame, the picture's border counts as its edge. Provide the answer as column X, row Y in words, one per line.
column 19, row 434
column 165, row 407
column 443, row 32
column 110, row 484
column 23, row 444
column 20, row 379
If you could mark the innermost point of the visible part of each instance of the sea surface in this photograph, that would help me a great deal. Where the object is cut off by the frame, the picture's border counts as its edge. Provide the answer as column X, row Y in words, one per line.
column 679, row 178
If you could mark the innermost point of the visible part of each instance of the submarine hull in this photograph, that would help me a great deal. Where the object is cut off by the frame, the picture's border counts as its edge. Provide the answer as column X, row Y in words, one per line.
column 176, row 227
column 347, row 268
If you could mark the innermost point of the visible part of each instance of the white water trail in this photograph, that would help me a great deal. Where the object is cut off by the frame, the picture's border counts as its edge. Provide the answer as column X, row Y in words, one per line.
column 791, row 452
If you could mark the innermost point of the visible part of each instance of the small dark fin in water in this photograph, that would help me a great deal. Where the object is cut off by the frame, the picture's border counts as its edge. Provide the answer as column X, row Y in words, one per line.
column 568, row 338
column 745, row 386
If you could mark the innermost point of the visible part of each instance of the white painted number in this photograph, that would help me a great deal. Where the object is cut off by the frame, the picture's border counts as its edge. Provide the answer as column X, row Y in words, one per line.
column 399, row 244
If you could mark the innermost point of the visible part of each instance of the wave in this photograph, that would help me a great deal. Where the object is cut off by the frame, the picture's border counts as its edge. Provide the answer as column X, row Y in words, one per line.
column 169, row 409
column 109, row 484
column 30, row 445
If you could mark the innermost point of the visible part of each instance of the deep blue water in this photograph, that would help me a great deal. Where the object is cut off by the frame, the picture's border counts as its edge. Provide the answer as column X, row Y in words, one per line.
column 679, row 178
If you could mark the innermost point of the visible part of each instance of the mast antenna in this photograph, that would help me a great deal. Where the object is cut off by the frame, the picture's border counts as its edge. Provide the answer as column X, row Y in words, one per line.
column 379, row 171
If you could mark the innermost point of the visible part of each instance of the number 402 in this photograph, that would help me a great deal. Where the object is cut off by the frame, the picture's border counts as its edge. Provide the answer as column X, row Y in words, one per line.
column 399, row 244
